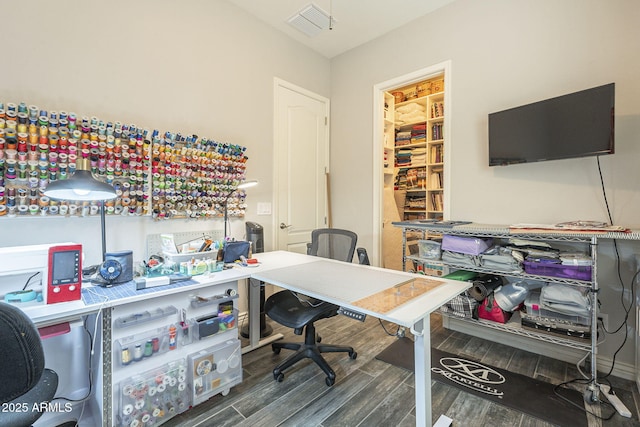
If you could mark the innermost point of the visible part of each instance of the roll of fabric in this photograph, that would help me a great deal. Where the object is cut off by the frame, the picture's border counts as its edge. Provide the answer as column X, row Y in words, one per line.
column 484, row 285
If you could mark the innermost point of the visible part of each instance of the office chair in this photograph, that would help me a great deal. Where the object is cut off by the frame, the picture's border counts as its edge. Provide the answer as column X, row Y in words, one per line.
column 25, row 382
column 300, row 312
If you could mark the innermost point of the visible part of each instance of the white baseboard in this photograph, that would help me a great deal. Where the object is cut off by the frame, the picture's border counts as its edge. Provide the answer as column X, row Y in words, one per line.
column 566, row 354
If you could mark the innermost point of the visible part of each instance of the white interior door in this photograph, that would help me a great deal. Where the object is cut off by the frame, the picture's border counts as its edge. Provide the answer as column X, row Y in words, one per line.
column 301, row 165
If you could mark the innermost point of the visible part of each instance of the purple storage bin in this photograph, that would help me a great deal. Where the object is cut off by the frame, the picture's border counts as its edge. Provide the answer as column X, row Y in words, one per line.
column 465, row 245
column 575, row 272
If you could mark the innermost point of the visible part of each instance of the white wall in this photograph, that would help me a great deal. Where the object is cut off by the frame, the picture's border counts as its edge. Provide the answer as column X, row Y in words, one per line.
column 206, row 67
column 504, row 53
column 194, row 67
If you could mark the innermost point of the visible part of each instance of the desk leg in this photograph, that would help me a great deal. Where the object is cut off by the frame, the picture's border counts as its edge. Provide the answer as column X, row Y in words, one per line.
column 254, row 320
column 107, row 364
column 422, row 350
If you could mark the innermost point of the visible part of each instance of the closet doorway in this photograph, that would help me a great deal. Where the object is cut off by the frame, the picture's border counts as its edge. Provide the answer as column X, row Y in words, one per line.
column 411, row 156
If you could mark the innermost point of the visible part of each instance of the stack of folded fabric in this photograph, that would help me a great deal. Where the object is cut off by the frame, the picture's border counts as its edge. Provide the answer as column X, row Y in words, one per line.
column 418, row 156
column 575, row 258
column 568, row 301
column 412, row 179
column 559, row 309
column 401, row 180
column 410, row 113
column 403, row 158
column 419, row 133
column 403, row 138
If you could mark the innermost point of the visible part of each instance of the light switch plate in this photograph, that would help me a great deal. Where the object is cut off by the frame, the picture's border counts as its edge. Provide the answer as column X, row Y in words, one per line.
column 264, row 208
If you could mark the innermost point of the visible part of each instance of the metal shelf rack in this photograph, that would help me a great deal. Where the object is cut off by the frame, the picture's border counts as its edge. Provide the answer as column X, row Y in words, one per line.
column 429, row 229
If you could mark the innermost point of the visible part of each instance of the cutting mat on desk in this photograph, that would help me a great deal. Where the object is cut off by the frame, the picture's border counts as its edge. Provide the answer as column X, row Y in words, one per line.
column 389, row 299
column 99, row 295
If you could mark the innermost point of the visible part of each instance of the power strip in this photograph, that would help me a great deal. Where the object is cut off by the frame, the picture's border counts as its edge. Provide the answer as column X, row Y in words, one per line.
column 352, row 314
column 615, row 401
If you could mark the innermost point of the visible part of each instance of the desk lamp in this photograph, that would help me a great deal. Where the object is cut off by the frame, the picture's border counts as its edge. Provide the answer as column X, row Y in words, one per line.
column 244, row 185
column 82, row 186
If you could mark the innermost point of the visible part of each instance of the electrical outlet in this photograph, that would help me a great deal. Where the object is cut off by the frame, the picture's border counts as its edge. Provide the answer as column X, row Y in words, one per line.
column 604, row 318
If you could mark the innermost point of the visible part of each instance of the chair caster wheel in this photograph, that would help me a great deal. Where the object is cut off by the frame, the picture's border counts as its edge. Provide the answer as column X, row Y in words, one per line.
column 278, row 376
column 329, row 381
column 353, row 355
column 276, row 350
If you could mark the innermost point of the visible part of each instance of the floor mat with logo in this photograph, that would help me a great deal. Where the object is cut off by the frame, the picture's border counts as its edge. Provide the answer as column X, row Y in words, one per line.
column 516, row 391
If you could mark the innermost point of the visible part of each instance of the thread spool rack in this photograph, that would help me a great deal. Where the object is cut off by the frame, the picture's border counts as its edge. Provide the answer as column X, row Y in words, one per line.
column 159, row 174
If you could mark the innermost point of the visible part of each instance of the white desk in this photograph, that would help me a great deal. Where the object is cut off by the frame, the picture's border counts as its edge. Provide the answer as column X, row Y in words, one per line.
column 343, row 284
column 268, row 261
column 333, row 281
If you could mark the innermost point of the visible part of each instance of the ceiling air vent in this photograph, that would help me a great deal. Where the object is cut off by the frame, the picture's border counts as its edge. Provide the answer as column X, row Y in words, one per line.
column 311, row 20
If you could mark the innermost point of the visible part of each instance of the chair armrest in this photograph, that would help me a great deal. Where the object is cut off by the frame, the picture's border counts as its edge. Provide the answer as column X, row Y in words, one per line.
column 363, row 258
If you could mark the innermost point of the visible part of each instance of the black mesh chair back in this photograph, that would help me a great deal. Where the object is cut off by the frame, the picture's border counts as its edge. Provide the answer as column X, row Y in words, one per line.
column 333, row 243
column 24, row 381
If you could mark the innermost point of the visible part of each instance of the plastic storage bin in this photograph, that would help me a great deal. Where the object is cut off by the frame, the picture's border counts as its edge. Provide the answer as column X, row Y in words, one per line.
column 575, row 272
column 430, row 268
column 178, row 258
column 151, row 398
column 429, row 249
column 215, row 370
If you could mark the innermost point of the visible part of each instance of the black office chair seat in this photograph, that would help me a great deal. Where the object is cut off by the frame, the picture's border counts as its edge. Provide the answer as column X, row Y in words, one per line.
column 24, row 381
column 299, row 312
column 30, row 402
column 285, row 306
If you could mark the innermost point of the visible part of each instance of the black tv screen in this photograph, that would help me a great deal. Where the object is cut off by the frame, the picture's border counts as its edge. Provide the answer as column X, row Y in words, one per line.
column 575, row 125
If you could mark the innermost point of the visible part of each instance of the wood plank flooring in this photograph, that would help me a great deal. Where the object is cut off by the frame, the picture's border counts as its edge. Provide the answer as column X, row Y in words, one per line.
column 369, row 392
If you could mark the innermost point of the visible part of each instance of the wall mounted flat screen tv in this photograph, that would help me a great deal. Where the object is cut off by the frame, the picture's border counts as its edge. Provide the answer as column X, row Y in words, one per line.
column 579, row 124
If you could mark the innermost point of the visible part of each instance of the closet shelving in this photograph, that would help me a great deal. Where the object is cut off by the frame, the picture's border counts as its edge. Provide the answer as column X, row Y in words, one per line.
column 414, row 115
column 435, row 148
column 389, row 137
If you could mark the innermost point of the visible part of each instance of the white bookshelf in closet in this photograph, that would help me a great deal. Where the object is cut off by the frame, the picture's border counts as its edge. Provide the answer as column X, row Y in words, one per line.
column 414, row 148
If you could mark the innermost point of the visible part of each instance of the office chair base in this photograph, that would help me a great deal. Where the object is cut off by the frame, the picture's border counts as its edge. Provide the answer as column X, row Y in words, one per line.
column 309, row 350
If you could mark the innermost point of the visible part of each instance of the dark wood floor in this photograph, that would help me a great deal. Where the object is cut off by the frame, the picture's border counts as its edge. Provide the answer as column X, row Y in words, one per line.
column 369, row 392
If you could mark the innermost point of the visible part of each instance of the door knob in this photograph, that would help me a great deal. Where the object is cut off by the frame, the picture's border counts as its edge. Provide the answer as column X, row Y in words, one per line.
column 284, row 226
